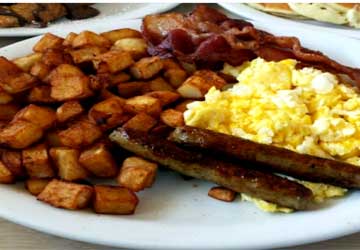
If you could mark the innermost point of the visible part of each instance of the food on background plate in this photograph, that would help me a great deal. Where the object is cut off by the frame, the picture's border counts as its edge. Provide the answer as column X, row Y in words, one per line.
column 66, row 108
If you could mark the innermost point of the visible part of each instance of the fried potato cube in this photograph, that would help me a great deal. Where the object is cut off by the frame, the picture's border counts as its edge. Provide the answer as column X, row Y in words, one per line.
column 114, row 200
column 166, row 97
column 68, row 110
column 137, row 174
column 119, row 78
column 54, row 58
column 8, row 111
column 89, row 39
column 37, row 163
column 99, row 161
column 115, row 35
column 26, row 62
column 5, row 98
column 223, row 194
column 6, row 177
column 161, row 130
column 157, row 84
column 130, row 89
column 85, row 54
column 20, row 134
column 140, row 122
column 53, row 139
column 113, row 61
column 137, row 47
column 197, row 85
column 44, row 117
column 69, row 82
column 48, row 41
column 66, row 195
column 146, row 67
column 170, row 63
column 182, row 107
column 41, row 94
column 40, row 70
column 69, row 39
column 81, row 133
column 35, row 185
column 172, row 118
column 143, row 104
column 67, row 162
column 13, row 162
column 175, row 76
column 190, row 68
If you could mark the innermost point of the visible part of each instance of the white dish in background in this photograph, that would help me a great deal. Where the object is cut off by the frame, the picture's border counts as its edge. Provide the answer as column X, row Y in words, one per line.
column 109, row 13
column 178, row 214
column 257, row 15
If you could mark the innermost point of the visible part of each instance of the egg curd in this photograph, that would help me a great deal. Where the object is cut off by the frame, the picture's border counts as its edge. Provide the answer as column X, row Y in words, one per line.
column 305, row 110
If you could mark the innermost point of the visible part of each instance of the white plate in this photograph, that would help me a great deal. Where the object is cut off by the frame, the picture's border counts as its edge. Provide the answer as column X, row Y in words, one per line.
column 177, row 214
column 257, row 15
column 109, row 13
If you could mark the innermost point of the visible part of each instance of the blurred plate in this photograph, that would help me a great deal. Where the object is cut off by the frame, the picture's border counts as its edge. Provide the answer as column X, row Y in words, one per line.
column 257, row 15
column 109, row 13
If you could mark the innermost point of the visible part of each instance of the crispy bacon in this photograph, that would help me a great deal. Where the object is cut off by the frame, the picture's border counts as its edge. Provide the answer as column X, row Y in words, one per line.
column 206, row 36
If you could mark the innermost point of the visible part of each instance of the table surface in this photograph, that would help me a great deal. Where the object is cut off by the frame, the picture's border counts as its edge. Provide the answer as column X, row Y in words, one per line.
column 17, row 237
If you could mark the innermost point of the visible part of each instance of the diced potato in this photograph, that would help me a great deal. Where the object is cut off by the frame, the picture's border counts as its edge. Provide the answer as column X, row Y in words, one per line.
column 99, row 161
column 166, row 97
column 161, row 130
column 12, row 161
column 53, row 58
column 172, row 118
column 48, row 41
column 5, row 97
column 190, row 68
column 66, row 195
column 40, row 70
column 146, row 67
column 157, row 84
column 131, row 89
column 175, row 76
column 37, row 163
column 100, row 81
column 105, row 94
column 20, row 134
column 137, row 47
column 114, row 200
column 143, row 104
column 113, row 61
column 68, row 110
column 89, row 39
column 118, row 34
column 137, row 174
column 182, row 107
column 223, row 194
column 140, row 122
column 8, row 111
column 81, row 133
column 69, row 39
column 6, row 177
column 44, row 117
column 35, row 185
column 108, row 113
column 68, row 82
column 41, row 94
column 53, row 139
column 67, row 162
column 170, row 63
column 85, row 54
column 119, row 78
column 26, row 62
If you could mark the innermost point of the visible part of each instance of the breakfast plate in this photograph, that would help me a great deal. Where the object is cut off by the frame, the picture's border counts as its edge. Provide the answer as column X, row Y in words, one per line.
column 109, row 13
column 177, row 214
column 253, row 14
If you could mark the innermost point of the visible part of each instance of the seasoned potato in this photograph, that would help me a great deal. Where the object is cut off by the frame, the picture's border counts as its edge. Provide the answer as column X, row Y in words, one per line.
column 146, row 67
column 166, row 97
column 143, row 104
column 113, row 61
column 53, row 58
column 161, row 130
column 130, row 89
column 37, row 163
column 119, row 78
column 114, row 200
column 53, row 139
column 89, row 39
column 40, row 70
column 118, row 34
column 182, row 106
column 5, row 97
column 6, row 177
column 41, row 94
column 68, row 110
column 20, row 134
column 44, row 117
column 12, row 160
column 175, row 76
column 69, row 39
column 8, row 111
column 81, row 133
column 140, row 122
column 99, row 161
column 26, row 62
column 223, row 194
column 66, row 195
column 172, row 118
column 157, row 84
column 35, row 185
column 137, row 174
column 68, row 82
column 48, row 41
column 85, row 54
column 170, row 63
column 137, row 47
column 67, row 162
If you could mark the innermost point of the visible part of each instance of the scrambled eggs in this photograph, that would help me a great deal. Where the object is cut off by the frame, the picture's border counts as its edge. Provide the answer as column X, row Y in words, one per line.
column 304, row 110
